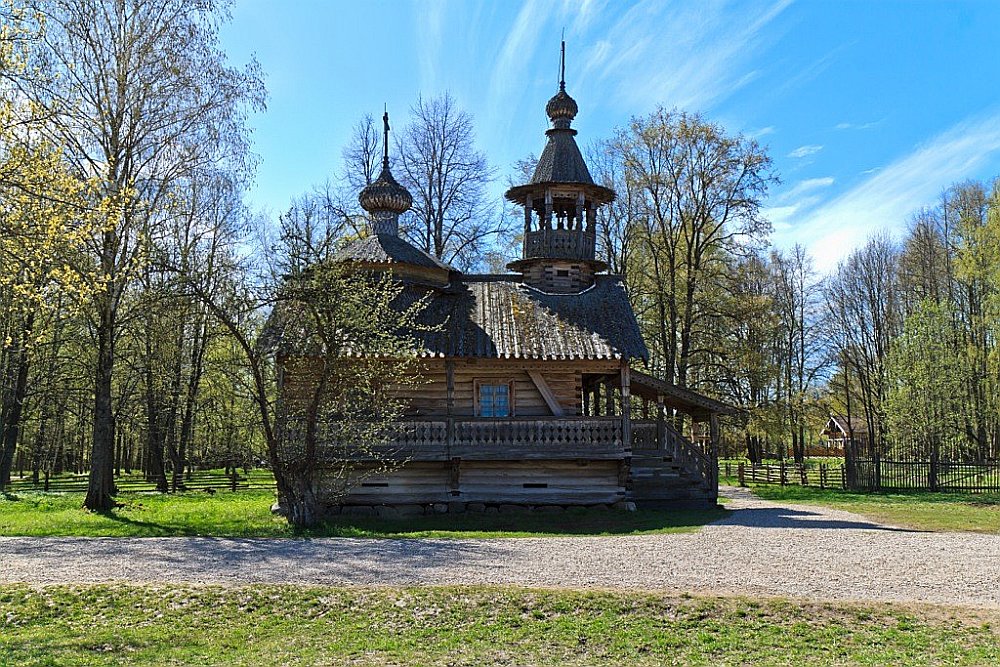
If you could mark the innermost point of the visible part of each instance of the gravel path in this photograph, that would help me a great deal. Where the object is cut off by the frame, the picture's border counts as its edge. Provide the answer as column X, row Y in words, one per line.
column 761, row 548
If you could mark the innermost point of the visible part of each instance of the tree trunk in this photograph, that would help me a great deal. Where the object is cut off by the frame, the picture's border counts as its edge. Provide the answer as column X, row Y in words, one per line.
column 299, row 500
column 100, row 487
column 13, row 404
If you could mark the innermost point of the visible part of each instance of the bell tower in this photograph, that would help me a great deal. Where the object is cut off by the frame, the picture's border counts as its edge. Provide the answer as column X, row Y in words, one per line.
column 560, row 207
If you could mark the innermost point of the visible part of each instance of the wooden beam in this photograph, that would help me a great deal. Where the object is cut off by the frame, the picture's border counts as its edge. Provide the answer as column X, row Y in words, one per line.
column 546, row 392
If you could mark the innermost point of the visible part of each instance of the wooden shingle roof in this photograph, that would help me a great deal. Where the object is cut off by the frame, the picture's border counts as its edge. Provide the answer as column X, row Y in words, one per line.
column 496, row 316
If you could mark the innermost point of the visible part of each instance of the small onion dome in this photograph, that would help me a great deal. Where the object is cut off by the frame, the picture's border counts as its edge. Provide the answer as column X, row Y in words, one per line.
column 385, row 195
column 561, row 107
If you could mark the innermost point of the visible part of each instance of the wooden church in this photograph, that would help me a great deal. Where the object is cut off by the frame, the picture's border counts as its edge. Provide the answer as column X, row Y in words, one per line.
column 533, row 393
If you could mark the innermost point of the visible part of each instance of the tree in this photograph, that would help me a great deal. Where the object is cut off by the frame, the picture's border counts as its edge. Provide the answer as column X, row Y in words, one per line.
column 141, row 96
column 447, row 177
column 349, row 333
column 866, row 313
column 696, row 194
column 924, row 399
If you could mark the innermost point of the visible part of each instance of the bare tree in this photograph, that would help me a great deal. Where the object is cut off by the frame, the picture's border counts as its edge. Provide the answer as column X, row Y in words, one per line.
column 452, row 218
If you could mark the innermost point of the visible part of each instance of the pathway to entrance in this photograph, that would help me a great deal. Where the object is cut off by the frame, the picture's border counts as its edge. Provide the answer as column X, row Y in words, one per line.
column 760, row 548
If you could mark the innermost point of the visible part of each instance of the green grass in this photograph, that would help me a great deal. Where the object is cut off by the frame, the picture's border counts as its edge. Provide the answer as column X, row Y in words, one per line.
column 268, row 625
column 920, row 510
column 247, row 514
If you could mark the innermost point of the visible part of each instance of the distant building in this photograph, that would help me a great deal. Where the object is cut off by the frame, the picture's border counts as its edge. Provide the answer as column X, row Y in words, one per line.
column 839, row 430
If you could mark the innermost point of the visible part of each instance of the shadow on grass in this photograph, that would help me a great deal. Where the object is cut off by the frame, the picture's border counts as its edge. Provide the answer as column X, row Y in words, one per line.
column 569, row 522
column 149, row 528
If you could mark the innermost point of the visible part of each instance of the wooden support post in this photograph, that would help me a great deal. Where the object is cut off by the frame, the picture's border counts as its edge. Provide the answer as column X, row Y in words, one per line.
column 714, row 436
column 528, row 203
column 626, row 408
column 454, row 475
column 449, row 367
column 548, row 210
column 661, row 423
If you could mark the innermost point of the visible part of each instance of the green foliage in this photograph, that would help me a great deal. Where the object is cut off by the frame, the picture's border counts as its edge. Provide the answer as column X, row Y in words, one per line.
column 927, row 374
column 272, row 625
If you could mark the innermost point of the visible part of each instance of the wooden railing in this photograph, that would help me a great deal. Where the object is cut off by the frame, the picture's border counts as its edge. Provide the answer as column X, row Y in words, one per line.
column 569, row 243
column 699, row 462
column 480, row 438
column 535, row 438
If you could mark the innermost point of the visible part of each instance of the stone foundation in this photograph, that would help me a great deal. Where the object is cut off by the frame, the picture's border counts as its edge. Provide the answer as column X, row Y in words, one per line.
column 430, row 509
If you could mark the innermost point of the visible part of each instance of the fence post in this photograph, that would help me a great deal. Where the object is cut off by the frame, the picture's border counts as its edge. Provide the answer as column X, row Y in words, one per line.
column 932, row 471
column 843, row 477
column 804, row 475
column 741, row 471
column 782, row 472
column 232, row 479
column 822, row 475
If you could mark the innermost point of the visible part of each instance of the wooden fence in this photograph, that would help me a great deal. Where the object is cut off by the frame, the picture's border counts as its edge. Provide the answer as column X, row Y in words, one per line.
column 886, row 476
column 198, row 480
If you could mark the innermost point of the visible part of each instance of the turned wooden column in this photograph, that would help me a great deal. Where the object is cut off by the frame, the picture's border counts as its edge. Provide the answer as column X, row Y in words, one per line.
column 626, row 408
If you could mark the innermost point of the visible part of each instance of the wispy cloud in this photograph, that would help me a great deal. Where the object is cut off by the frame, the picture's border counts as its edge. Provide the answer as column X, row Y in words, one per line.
column 680, row 54
column 516, row 55
column 885, row 201
column 430, row 23
column 761, row 132
column 856, row 126
column 805, row 151
column 806, row 186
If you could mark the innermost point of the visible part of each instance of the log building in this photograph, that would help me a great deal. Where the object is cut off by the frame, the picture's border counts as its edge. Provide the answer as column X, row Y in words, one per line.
column 533, row 392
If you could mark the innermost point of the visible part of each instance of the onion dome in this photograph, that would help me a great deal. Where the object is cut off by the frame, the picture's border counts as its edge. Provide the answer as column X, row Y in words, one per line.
column 385, row 199
column 562, row 108
column 385, row 194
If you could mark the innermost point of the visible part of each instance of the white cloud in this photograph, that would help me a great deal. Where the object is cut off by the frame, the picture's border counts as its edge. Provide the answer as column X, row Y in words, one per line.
column 805, row 186
column 430, row 24
column 856, row 126
column 884, row 201
column 805, row 151
column 761, row 132
column 687, row 55
column 517, row 53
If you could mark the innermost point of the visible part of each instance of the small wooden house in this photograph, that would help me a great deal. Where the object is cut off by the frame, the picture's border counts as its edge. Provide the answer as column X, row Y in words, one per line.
column 838, row 432
column 533, row 393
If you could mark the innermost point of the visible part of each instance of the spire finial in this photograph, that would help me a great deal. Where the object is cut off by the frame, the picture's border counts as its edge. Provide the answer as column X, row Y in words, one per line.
column 385, row 139
column 562, row 63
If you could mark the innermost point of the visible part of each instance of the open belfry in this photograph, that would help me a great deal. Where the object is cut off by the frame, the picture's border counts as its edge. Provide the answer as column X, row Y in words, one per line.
column 532, row 393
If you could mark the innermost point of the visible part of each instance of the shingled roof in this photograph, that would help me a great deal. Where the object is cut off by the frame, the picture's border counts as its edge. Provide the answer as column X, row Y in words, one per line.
column 561, row 161
column 388, row 249
column 496, row 316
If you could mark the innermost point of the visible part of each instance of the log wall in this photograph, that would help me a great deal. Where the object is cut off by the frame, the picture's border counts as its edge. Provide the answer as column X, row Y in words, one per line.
column 524, row 483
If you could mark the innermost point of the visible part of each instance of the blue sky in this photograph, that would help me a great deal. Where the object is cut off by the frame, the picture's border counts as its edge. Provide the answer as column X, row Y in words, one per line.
column 869, row 108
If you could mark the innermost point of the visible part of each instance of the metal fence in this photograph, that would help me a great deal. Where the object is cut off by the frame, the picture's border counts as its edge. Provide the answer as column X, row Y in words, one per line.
column 873, row 475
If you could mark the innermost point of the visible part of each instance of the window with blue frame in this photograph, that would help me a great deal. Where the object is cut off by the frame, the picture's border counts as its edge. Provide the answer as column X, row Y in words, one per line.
column 494, row 398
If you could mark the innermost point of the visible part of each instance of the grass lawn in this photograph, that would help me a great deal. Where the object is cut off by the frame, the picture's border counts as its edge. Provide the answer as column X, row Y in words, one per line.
column 121, row 625
column 921, row 510
column 248, row 514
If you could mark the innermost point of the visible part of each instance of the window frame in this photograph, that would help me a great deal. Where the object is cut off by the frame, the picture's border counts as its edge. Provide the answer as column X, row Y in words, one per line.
column 494, row 382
